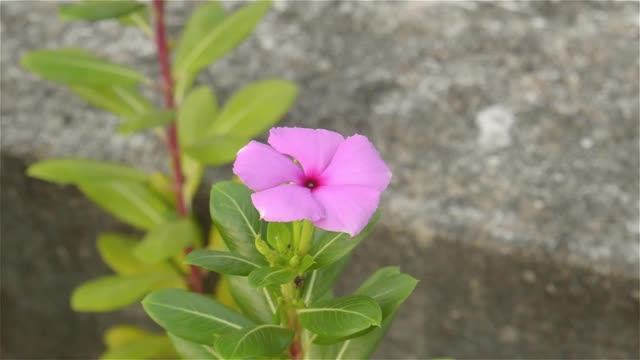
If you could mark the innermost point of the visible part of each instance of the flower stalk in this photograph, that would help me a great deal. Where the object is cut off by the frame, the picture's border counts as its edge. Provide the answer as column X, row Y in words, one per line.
column 162, row 45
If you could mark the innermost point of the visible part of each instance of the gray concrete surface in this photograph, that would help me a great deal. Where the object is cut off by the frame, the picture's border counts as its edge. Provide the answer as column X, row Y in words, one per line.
column 511, row 128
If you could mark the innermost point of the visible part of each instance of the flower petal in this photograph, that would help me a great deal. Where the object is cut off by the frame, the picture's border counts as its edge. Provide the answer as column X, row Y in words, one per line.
column 348, row 207
column 357, row 162
column 287, row 203
column 260, row 167
column 313, row 148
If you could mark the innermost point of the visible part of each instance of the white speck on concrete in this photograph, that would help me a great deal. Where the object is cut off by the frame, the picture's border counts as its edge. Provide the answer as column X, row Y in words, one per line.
column 494, row 124
column 586, row 143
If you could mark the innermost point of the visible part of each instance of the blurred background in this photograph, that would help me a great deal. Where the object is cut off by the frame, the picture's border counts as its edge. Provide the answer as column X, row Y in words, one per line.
column 511, row 128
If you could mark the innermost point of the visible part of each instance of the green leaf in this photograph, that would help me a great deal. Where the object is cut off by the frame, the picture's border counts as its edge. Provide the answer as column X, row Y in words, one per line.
column 342, row 316
column 121, row 100
column 147, row 120
column 216, row 149
column 205, row 47
column 390, row 289
column 236, row 218
column 149, row 347
column 77, row 171
column 192, row 171
column 255, row 108
column 223, row 262
column 74, row 66
column 262, row 340
column 197, row 112
column 279, row 236
column 204, row 19
column 132, row 203
column 192, row 316
column 119, row 335
column 257, row 304
column 114, row 292
column 117, row 252
column 98, row 9
column 267, row 276
column 331, row 246
column 167, row 240
column 192, row 351
column 318, row 282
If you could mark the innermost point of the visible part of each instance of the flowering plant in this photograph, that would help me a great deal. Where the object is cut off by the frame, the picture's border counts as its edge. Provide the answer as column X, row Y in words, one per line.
column 281, row 235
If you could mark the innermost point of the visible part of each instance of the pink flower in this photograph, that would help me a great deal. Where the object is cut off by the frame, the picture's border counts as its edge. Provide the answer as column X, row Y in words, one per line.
column 336, row 182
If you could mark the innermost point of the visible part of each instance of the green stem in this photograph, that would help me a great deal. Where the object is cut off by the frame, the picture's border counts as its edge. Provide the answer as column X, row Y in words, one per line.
column 306, row 235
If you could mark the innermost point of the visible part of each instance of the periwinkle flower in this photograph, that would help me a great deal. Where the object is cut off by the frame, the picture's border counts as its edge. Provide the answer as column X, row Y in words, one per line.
column 334, row 182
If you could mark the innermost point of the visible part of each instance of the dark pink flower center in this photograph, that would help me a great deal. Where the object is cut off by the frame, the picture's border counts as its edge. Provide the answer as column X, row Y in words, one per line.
column 311, row 183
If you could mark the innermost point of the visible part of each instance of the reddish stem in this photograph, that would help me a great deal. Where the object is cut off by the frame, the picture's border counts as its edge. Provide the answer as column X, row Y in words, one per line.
column 195, row 277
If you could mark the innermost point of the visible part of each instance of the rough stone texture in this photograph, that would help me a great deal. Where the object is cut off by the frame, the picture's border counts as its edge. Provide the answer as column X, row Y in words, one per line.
column 511, row 128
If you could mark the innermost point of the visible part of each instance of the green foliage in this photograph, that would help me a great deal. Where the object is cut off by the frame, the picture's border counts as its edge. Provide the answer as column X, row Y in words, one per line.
column 280, row 275
column 331, row 246
column 222, row 262
column 126, row 101
column 76, row 66
column 77, row 171
column 235, row 217
column 167, row 239
column 128, row 342
column 117, row 252
column 191, row 316
column 268, row 276
column 146, row 120
column 262, row 340
column 99, row 9
column 212, row 37
column 114, row 292
column 133, row 203
column 255, row 108
column 193, row 351
column 341, row 316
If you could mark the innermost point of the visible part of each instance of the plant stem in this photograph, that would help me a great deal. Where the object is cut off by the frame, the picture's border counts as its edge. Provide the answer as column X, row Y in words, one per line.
column 291, row 295
column 195, row 277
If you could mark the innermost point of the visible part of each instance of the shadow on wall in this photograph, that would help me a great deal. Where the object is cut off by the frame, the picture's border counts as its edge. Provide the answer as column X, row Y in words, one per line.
column 472, row 302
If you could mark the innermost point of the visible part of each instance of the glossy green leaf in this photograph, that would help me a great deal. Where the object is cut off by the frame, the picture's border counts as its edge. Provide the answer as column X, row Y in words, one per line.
column 236, row 218
column 132, row 203
column 163, row 186
column 255, row 108
column 223, row 262
column 197, row 112
column 121, row 100
column 267, row 276
column 117, row 252
column 215, row 149
column 341, row 316
column 257, row 304
column 279, row 236
column 259, row 341
column 77, row 171
column 114, row 292
column 389, row 288
column 208, row 46
column 149, row 347
column 119, row 335
column 74, row 66
column 193, row 351
column 329, row 247
column 147, row 120
column 318, row 282
column 98, row 9
column 167, row 239
column 204, row 20
column 192, row 316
